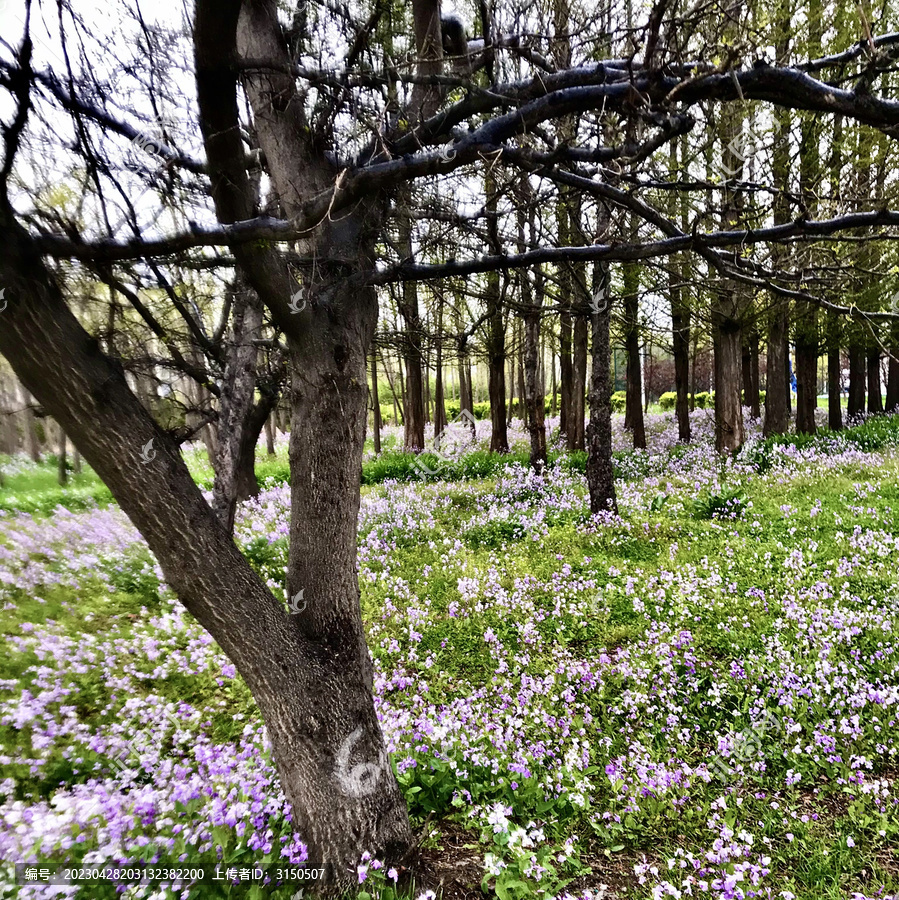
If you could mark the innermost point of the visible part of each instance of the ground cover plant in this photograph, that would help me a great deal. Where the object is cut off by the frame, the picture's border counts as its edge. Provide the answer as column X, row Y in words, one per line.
column 696, row 697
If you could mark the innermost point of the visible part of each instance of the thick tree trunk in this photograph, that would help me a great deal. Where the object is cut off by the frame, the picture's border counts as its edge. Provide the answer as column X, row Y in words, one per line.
column 600, row 472
column 729, row 433
column 309, row 673
column 315, row 687
column 806, row 368
column 875, row 395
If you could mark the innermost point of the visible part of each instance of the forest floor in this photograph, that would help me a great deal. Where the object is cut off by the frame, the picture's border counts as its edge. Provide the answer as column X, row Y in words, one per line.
column 697, row 697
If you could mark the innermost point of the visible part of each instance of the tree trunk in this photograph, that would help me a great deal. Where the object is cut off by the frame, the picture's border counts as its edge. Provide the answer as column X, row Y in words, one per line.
column 856, row 401
column 834, row 375
column 413, row 407
column 440, row 422
column 235, row 445
column 729, row 434
column 376, row 402
column 62, row 472
column 577, row 422
column 875, row 395
column 680, row 324
column 34, row 444
column 309, row 673
column 806, row 368
column 892, row 404
column 496, row 332
column 600, row 472
column 633, row 409
column 776, row 397
column 496, row 360
column 270, row 434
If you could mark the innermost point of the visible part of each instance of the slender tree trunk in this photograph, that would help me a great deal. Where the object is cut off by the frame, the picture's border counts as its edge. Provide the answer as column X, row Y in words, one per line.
column 806, row 369
column 777, row 389
column 834, row 375
column 856, row 400
column 633, row 410
column 439, row 404
column 376, row 402
column 34, row 444
column 875, row 395
column 414, row 399
column 600, row 473
column 235, row 443
column 62, row 471
column 270, row 434
column 496, row 333
column 892, row 404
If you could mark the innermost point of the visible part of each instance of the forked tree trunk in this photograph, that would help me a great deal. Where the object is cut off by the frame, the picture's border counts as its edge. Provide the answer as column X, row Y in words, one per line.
column 600, row 473
column 309, row 673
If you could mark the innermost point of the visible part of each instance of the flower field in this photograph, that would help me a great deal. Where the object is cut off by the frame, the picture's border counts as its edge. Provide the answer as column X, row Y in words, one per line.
column 696, row 698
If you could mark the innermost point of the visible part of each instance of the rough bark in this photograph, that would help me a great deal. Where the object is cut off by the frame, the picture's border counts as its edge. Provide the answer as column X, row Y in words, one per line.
column 308, row 673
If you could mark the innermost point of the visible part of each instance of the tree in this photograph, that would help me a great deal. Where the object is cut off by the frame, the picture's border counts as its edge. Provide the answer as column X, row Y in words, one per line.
column 333, row 207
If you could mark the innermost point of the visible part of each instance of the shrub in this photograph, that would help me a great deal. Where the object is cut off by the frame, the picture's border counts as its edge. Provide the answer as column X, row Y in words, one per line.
column 668, row 401
column 703, row 400
column 619, row 399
